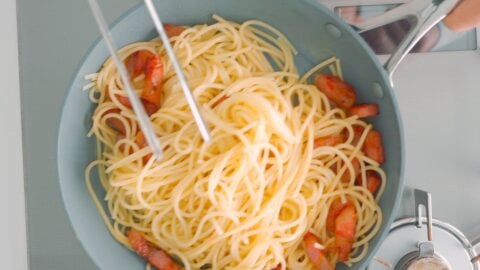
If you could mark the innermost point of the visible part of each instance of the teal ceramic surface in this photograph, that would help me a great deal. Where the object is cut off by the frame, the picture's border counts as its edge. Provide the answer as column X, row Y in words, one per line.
column 315, row 32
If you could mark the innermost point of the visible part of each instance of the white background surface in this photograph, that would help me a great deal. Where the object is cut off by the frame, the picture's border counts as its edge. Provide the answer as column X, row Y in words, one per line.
column 13, row 252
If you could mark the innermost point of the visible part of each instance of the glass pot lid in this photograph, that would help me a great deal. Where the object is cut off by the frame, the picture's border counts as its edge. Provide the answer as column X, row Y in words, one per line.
column 419, row 243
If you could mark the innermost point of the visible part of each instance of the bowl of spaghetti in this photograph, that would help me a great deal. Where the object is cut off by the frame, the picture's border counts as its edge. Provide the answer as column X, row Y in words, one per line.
column 304, row 169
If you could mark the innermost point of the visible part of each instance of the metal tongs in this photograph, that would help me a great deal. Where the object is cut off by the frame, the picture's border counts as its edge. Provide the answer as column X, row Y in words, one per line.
column 427, row 13
column 137, row 106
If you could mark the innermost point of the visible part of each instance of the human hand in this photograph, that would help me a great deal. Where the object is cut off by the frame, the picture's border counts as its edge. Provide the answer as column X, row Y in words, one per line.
column 464, row 16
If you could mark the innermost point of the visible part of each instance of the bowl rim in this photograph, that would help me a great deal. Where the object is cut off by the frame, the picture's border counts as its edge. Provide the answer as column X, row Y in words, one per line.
column 381, row 234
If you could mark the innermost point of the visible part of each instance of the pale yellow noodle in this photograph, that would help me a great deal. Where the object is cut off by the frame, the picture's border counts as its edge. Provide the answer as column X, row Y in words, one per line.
column 245, row 200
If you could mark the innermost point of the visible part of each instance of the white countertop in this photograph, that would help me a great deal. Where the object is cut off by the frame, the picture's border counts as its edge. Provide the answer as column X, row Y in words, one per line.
column 13, row 251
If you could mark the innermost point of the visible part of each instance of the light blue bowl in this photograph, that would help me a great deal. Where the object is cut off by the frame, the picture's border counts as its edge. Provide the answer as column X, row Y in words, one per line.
column 307, row 24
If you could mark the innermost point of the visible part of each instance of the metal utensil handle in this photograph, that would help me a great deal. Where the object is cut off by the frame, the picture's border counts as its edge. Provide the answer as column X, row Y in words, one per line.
column 202, row 126
column 424, row 198
column 427, row 13
column 137, row 106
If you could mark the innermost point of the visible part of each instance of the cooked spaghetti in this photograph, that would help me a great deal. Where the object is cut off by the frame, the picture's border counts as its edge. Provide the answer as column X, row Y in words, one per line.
column 246, row 199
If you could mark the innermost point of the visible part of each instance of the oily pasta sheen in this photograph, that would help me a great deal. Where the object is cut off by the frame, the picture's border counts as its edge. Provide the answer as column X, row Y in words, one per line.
column 245, row 199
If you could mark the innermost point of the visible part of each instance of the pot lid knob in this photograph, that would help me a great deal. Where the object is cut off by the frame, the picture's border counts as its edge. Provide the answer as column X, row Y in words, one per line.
column 424, row 257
